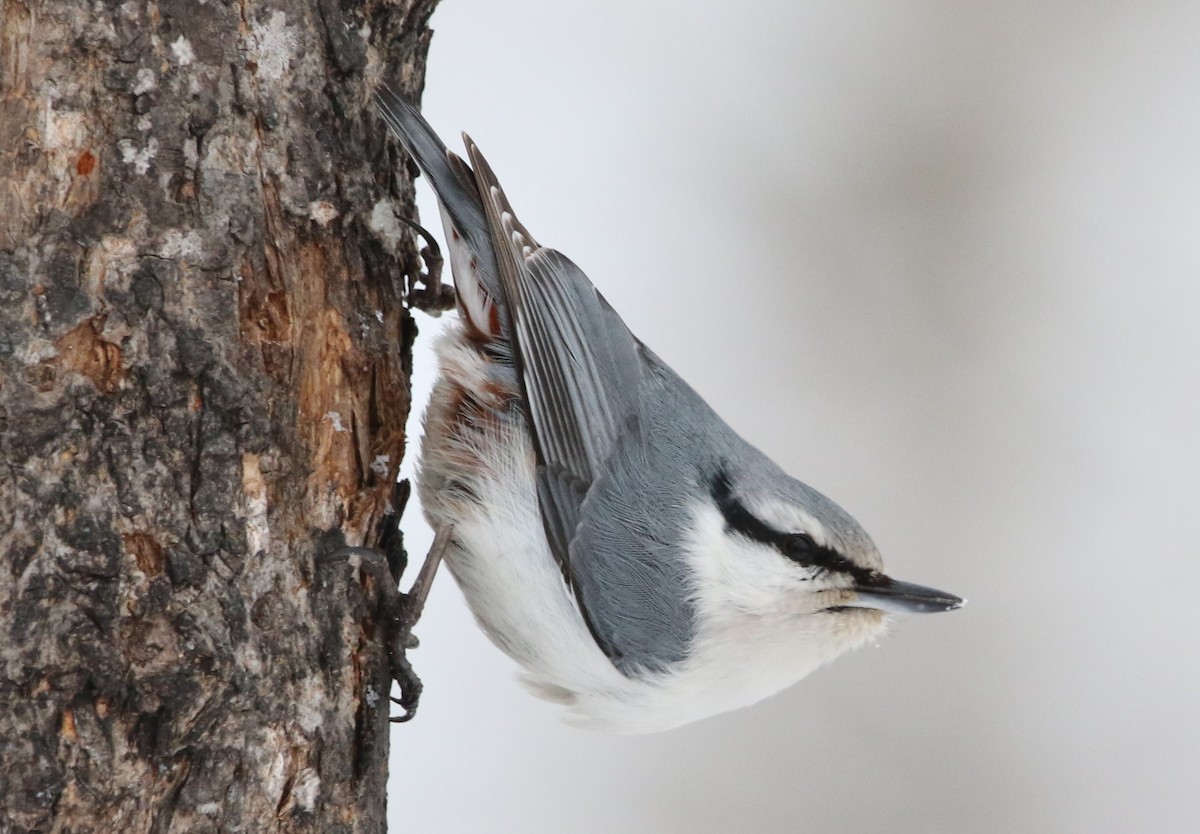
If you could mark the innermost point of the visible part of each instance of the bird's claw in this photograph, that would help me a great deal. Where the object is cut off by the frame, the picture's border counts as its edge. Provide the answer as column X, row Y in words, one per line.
column 410, row 691
column 433, row 297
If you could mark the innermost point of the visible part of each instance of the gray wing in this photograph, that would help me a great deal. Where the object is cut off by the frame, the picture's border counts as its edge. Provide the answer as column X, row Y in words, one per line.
column 581, row 372
column 580, row 375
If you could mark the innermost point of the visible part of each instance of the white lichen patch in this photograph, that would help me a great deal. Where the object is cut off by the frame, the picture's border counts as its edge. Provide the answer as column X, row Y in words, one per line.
column 336, row 419
column 322, row 211
column 181, row 49
column 139, row 158
column 145, row 82
column 144, row 124
column 381, row 465
column 384, row 224
column 273, row 44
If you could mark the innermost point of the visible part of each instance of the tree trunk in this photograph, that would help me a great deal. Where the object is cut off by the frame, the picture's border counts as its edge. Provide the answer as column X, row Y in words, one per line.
column 203, row 391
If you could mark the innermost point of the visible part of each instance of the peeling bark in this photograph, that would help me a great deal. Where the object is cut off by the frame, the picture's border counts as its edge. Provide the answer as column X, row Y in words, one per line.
column 204, row 358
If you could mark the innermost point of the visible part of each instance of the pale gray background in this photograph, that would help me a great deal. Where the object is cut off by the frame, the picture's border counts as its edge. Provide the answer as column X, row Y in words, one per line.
column 942, row 261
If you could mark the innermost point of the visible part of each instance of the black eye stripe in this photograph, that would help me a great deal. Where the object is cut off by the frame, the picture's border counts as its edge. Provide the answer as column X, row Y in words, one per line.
column 799, row 547
column 741, row 520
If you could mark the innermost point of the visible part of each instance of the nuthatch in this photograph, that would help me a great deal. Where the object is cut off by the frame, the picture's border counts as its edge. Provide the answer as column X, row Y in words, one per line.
column 645, row 565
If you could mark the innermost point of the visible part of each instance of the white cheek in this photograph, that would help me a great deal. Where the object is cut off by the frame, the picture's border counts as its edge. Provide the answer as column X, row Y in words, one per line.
column 739, row 574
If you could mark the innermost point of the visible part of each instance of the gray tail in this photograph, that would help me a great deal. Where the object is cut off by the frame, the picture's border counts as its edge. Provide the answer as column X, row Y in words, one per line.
column 450, row 177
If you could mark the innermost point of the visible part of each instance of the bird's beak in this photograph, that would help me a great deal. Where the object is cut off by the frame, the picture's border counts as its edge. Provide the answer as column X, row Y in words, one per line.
column 886, row 594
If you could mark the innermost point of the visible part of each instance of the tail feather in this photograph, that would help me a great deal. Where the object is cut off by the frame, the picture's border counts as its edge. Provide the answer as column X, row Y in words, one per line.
column 472, row 254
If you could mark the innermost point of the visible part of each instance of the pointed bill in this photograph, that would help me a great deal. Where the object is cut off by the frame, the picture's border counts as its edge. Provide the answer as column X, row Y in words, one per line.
column 891, row 595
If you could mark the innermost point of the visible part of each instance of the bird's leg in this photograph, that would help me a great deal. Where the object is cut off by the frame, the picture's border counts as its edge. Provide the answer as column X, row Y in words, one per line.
column 398, row 613
column 434, row 297
column 413, row 607
column 419, row 592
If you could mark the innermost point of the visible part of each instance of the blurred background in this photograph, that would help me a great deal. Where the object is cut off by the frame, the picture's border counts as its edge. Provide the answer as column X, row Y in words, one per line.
column 940, row 260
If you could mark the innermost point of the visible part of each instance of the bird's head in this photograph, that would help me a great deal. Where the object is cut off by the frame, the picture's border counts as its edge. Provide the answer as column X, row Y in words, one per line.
column 776, row 547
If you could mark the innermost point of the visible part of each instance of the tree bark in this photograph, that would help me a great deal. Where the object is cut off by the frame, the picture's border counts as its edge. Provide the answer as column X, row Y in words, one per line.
column 204, row 357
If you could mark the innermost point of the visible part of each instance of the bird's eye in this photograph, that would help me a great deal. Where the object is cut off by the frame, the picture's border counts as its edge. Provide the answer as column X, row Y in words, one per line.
column 802, row 549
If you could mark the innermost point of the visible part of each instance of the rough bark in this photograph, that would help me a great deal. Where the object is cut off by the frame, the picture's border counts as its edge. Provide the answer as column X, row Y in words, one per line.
column 203, row 390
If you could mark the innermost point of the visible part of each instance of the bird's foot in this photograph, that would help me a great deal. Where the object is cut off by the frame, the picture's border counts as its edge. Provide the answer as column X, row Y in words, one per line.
column 433, row 296
column 398, row 613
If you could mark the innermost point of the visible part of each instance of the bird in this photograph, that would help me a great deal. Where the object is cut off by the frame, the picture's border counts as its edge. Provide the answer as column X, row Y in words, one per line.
column 644, row 565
